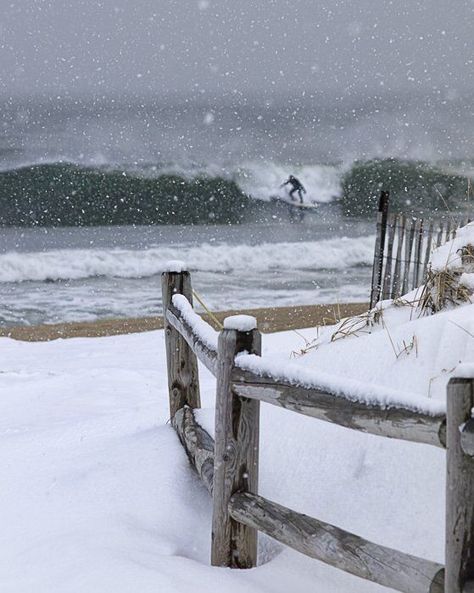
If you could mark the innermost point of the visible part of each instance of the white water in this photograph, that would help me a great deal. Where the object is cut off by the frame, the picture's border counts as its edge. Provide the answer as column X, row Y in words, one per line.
column 262, row 179
column 41, row 283
column 75, row 264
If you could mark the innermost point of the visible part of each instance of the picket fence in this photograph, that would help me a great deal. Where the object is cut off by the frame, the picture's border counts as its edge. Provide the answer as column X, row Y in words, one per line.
column 403, row 249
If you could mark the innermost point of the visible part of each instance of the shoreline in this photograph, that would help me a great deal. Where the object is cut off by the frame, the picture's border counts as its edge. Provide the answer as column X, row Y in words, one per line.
column 269, row 319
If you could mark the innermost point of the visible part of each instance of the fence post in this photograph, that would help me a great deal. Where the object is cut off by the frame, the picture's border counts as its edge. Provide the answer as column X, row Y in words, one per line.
column 183, row 378
column 459, row 569
column 236, row 448
column 377, row 269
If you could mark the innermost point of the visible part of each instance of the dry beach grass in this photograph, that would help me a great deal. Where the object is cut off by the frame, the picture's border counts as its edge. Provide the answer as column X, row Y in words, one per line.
column 270, row 319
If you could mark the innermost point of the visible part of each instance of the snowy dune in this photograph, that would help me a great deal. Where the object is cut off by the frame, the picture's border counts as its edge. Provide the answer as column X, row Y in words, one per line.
column 403, row 359
column 98, row 494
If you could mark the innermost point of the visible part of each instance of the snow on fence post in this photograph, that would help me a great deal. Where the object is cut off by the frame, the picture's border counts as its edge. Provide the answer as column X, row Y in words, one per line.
column 377, row 270
column 459, row 568
column 183, row 378
column 236, row 448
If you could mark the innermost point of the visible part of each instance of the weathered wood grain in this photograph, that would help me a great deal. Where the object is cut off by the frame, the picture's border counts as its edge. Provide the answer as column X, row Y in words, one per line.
column 459, row 489
column 417, row 257
column 183, row 378
column 388, row 275
column 337, row 547
column 199, row 445
column 397, row 274
column 408, row 253
column 429, row 240
column 398, row 423
column 377, row 279
column 236, row 454
column 205, row 354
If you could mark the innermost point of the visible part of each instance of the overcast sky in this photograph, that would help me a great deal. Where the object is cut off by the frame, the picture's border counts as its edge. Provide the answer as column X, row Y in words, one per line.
column 214, row 47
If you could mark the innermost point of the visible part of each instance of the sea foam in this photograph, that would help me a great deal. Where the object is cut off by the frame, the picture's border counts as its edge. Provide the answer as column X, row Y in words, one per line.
column 75, row 264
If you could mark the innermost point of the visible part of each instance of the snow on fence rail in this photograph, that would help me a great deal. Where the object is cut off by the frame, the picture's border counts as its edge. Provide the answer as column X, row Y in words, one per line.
column 403, row 248
column 228, row 466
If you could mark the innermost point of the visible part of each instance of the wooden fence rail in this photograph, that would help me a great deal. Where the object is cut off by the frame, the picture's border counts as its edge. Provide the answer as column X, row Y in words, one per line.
column 403, row 247
column 393, row 422
column 229, row 466
column 337, row 547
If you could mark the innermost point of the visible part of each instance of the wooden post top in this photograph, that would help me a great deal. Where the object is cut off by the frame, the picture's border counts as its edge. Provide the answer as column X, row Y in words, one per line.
column 459, row 378
column 383, row 201
column 242, row 323
column 175, row 266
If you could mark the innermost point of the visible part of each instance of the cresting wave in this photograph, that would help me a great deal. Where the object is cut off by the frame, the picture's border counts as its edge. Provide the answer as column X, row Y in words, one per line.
column 64, row 194
column 63, row 265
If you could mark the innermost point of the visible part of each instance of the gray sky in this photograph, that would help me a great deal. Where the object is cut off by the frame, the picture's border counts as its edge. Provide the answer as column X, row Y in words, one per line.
column 214, row 47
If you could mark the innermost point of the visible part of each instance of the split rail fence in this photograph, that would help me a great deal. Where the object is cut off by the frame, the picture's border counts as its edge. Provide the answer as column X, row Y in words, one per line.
column 403, row 249
column 228, row 466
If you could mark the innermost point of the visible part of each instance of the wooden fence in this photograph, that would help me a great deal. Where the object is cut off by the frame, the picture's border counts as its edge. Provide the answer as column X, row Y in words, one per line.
column 229, row 466
column 403, row 248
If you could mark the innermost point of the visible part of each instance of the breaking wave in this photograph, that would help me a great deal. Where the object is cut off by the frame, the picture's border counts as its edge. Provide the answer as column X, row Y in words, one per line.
column 66, row 194
column 63, row 265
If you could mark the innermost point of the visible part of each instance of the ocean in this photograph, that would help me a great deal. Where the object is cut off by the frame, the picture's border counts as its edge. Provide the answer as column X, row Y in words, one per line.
column 97, row 195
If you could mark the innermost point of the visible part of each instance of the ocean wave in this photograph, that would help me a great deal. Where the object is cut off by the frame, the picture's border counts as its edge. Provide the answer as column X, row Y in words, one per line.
column 66, row 194
column 414, row 186
column 262, row 180
column 70, row 194
column 63, row 265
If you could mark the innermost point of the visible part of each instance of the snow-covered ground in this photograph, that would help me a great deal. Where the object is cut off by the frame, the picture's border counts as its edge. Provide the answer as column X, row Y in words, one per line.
column 97, row 494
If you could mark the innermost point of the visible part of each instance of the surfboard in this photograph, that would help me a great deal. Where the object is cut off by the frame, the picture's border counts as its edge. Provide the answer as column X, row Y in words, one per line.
column 294, row 203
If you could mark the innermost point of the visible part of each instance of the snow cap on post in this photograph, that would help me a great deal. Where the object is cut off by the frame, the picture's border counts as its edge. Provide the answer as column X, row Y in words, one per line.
column 242, row 323
column 175, row 265
column 465, row 370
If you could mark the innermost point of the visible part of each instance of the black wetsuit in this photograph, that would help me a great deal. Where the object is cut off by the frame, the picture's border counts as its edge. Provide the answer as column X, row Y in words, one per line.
column 296, row 186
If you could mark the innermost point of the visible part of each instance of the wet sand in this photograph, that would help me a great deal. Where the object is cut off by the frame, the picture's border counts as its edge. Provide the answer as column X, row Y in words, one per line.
column 271, row 319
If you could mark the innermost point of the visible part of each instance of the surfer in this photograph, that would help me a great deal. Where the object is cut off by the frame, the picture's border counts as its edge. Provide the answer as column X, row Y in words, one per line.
column 296, row 186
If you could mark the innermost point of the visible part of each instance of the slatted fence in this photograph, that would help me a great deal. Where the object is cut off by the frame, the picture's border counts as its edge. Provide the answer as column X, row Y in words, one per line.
column 403, row 249
column 228, row 466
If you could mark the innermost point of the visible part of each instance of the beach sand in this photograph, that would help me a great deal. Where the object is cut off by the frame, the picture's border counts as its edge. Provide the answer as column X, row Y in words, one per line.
column 270, row 319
